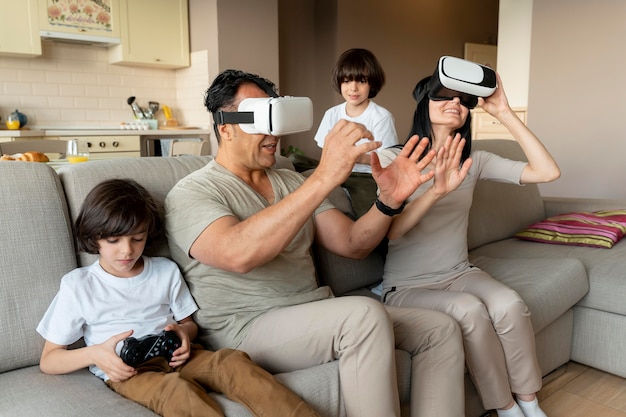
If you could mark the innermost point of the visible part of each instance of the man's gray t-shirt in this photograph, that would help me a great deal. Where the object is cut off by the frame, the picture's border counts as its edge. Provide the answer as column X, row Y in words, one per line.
column 228, row 301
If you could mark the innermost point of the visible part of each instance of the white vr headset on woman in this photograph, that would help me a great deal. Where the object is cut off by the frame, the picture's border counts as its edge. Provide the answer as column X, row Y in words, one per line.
column 456, row 77
column 465, row 76
column 276, row 116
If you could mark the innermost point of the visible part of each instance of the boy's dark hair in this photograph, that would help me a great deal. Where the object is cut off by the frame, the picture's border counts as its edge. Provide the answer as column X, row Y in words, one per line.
column 359, row 65
column 421, row 121
column 117, row 207
column 221, row 94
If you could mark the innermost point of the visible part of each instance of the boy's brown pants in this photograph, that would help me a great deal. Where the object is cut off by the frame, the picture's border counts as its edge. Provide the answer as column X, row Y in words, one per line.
column 182, row 391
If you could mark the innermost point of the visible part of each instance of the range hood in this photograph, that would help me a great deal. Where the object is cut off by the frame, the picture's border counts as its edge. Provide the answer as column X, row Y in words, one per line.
column 102, row 41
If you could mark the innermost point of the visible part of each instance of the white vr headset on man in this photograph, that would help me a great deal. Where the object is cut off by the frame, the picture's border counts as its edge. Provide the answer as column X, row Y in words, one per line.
column 276, row 116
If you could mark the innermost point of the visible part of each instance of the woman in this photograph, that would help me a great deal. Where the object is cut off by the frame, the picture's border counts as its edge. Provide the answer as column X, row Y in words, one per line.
column 427, row 264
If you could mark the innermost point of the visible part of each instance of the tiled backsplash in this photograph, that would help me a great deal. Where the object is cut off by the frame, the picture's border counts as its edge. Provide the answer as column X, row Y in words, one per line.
column 74, row 85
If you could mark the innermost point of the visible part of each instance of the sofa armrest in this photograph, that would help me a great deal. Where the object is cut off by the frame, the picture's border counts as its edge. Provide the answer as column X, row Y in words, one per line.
column 561, row 205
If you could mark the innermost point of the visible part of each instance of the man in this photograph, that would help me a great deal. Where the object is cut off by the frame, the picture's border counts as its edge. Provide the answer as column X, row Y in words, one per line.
column 242, row 233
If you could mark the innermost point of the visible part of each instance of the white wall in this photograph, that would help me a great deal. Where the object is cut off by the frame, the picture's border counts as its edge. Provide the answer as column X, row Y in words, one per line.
column 514, row 34
column 74, row 85
column 577, row 93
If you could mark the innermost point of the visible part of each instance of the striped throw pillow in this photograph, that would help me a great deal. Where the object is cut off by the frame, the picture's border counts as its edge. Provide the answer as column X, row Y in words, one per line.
column 599, row 229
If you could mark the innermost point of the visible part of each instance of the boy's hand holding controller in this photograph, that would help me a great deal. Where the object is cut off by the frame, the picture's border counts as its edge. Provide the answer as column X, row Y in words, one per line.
column 173, row 344
column 106, row 358
column 186, row 330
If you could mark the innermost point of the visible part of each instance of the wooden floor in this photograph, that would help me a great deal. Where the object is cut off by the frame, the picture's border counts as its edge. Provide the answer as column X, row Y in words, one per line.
column 576, row 390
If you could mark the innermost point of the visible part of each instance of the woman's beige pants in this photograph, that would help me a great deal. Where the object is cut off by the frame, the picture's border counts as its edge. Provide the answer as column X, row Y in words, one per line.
column 497, row 333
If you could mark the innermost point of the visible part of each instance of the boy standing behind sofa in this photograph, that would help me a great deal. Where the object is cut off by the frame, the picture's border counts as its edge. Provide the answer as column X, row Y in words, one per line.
column 359, row 77
column 125, row 293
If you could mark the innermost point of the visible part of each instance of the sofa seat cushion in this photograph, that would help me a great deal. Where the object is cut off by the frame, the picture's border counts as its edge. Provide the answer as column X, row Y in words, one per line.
column 541, row 283
column 27, row 392
column 83, row 394
column 605, row 268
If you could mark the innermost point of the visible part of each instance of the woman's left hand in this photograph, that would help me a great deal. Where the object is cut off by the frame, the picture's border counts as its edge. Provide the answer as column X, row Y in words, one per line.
column 497, row 103
column 449, row 173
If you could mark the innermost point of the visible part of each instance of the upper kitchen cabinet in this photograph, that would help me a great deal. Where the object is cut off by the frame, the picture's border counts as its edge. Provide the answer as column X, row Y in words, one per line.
column 19, row 28
column 155, row 33
column 90, row 21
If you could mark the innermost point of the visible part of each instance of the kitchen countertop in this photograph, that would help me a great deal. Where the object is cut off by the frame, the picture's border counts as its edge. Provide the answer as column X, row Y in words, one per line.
column 61, row 131
column 146, row 136
column 125, row 132
column 7, row 133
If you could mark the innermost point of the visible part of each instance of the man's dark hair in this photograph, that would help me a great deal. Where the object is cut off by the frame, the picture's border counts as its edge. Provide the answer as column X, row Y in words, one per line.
column 117, row 207
column 359, row 65
column 221, row 94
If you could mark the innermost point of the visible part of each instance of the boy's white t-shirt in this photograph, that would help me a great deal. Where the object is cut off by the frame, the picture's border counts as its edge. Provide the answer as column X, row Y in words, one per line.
column 375, row 118
column 96, row 305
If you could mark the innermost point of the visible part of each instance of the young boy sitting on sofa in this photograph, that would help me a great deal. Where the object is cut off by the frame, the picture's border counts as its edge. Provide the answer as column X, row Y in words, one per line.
column 125, row 293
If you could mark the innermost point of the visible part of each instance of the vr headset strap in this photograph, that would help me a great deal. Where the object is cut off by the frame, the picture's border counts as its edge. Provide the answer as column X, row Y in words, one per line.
column 234, row 117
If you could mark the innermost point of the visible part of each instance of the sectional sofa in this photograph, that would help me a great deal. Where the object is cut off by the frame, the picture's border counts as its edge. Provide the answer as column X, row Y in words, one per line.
column 575, row 294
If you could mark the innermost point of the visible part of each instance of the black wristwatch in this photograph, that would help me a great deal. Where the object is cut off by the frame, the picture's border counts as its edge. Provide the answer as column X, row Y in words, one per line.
column 388, row 211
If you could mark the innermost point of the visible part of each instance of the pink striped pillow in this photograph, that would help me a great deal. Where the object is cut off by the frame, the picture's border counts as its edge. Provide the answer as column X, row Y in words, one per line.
column 599, row 229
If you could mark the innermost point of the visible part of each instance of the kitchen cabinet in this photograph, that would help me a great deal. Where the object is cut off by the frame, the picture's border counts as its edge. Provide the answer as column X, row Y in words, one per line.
column 154, row 33
column 485, row 126
column 104, row 147
column 90, row 20
column 19, row 28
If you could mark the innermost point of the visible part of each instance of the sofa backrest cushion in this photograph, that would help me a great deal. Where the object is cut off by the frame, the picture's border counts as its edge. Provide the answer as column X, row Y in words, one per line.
column 157, row 174
column 501, row 210
column 344, row 275
column 36, row 251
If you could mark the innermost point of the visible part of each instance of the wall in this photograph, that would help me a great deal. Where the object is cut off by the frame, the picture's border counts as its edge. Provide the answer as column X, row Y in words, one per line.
column 514, row 37
column 248, row 36
column 240, row 34
column 577, row 93
column 74, row 85
column 407, row 36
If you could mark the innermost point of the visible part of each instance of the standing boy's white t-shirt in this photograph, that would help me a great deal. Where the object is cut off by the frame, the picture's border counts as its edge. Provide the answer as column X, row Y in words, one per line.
column 375, row 118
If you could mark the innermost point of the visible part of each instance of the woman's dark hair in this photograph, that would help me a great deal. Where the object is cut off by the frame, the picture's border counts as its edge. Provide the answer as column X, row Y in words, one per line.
column 359, row 65
column 421, row 120
column 221, row 94
column 117, row 207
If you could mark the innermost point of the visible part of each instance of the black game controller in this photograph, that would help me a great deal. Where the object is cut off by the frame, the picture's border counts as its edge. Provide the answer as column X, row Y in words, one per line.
column 136, row 351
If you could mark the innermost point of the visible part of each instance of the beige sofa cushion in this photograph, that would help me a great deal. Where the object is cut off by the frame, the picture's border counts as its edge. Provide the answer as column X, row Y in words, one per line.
column 157, row 175
column 37, row 250
column 541, row 282
column 501, row 210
